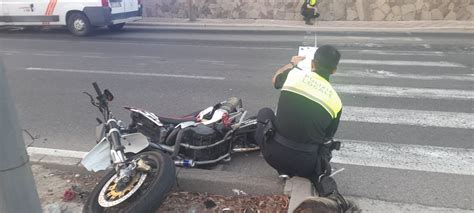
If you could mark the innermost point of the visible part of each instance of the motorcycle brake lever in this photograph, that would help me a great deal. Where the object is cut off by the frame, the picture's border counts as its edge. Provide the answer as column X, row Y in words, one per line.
column 92, row 99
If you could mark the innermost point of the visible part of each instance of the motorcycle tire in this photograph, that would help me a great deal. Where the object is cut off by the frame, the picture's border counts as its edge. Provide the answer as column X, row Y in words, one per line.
column 150, row 195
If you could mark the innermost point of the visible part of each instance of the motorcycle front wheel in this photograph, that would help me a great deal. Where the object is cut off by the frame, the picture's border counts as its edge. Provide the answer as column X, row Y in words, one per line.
column 145, row 192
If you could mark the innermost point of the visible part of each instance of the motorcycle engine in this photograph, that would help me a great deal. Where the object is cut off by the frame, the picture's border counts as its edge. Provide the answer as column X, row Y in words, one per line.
column 202, row 135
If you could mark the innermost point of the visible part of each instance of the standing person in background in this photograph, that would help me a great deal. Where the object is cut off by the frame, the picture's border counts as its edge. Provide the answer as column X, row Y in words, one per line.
column 309, row 11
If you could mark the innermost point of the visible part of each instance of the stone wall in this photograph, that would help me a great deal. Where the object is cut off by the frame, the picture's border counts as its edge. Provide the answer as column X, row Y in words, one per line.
column 331, row 10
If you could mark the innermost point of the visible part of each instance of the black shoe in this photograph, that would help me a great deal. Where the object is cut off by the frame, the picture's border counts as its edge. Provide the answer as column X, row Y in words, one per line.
column 319, row 205
column 345, row 206
column 327, row 205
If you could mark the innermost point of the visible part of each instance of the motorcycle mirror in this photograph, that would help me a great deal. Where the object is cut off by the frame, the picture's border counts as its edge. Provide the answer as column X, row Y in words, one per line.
column 108, row 95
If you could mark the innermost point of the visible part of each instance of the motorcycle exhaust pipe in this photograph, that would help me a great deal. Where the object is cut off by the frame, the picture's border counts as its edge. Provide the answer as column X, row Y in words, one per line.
column 185, row 163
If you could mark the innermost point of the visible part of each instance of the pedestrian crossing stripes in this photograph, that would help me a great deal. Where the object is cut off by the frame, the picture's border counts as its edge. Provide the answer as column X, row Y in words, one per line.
column 404, row 92
column 406, row 156
column 384, row 74
column 402, row 63
column 408, row 117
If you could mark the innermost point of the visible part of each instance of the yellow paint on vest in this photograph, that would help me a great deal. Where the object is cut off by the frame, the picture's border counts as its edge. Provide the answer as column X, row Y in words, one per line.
column 315, row 88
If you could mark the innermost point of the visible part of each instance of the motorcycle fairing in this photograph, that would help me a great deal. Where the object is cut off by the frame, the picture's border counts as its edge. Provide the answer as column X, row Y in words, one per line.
column 99, row 159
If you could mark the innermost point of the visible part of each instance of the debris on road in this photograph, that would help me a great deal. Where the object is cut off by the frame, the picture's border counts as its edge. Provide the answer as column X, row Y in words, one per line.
column 199, row 202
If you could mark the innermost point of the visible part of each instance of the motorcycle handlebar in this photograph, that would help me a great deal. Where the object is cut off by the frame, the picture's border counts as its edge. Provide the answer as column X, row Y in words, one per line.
column 97, row 90
column 100, row 96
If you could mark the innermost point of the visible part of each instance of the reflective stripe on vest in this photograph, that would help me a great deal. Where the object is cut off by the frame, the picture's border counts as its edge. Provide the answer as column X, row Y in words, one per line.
column 315, row 88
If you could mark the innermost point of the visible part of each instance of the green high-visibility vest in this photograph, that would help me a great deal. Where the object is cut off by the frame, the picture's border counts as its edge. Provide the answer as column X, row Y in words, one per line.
column 315, row 88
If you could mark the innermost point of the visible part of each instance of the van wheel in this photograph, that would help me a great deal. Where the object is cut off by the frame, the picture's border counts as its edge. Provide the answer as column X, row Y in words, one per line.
column 116, row 27
column 79, row 25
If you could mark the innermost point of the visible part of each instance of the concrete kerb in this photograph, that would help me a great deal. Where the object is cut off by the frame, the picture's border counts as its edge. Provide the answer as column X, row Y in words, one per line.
column 229, row 183
column 318, row 27
column 193, row 180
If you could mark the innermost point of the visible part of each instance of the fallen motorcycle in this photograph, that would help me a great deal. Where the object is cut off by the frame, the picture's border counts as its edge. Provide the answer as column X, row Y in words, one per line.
column 143, row 154
column 201, row 139
column 140, row 179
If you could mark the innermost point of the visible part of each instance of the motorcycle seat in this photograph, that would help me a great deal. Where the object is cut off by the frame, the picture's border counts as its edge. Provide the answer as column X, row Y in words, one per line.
column 176, row 121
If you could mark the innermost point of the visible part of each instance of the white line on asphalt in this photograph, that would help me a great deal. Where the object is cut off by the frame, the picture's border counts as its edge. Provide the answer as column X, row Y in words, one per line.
column 404, row 92
column 406, row 156
column 382, row 74
column 374, row 154
column 408, row 117
column 372, row 205
column 124, row 73
column 46, row 54
column 95, row 56
column 402, row 63
column 370, row 38
column 8, row 51
column 145, row 56
column 414, row 53
column 55, row 152
column 209, row 61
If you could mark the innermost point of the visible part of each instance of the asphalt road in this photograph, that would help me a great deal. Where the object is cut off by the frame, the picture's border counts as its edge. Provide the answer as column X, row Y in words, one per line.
column 400, row 89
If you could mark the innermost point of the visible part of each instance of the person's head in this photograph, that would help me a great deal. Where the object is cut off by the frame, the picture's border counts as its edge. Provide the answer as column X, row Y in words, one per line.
column 326, row 60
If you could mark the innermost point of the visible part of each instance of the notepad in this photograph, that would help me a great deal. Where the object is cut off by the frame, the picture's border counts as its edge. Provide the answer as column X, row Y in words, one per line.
column 308, row 53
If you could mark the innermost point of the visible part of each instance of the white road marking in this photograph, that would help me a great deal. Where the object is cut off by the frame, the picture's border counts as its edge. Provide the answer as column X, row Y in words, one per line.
column 406, row 156
column 408, row 117
column 404, row 92
column 384, row 39
column 56, row 152
column 372, row 205
column 210, row 61
column 402, row 63
column 8, row 51
column 382, row 74
column 145, row 56
column 46, row 54
column 124, row 73
column 389, row 52
column 374, row 154
column 95, row 56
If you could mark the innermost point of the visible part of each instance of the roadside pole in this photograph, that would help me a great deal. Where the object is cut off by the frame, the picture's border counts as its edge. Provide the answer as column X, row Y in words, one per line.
column 17, row 187
column 192, row 13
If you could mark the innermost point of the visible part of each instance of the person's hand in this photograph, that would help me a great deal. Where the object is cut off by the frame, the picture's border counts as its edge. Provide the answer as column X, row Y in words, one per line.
column 296, row 59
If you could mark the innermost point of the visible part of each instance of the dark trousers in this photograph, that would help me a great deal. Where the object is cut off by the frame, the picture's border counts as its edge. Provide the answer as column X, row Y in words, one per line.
column 282, row 158
column 308, row 13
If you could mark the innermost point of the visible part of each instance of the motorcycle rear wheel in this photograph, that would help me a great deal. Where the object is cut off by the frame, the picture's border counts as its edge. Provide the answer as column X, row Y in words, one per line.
column 149, row 196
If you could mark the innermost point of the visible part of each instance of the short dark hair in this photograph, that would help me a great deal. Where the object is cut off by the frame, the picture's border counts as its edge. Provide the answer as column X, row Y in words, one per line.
column 327, row 57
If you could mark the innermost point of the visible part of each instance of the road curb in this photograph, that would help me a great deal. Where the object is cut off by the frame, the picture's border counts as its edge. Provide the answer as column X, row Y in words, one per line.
column 192, row 180
column 280, row 27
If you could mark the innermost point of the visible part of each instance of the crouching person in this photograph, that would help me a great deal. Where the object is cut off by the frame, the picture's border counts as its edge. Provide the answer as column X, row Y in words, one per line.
column 298, row 140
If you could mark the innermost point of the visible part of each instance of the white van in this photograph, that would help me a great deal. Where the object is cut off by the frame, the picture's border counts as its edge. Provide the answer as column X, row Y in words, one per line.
column 80, row 16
